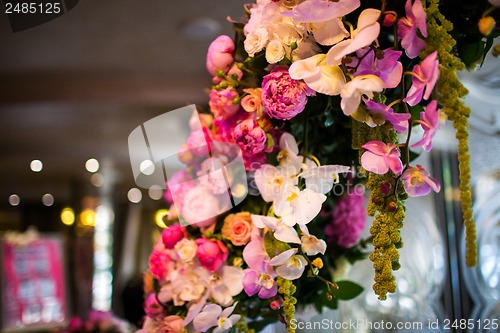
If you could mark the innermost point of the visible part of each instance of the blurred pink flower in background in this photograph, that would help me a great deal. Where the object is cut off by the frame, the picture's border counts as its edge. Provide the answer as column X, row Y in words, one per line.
column 348, row 220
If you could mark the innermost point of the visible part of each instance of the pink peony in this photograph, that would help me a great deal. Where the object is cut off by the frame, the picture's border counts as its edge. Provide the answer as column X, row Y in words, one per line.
column 250, row 136
column 200, row 207
column 220, row 54
column 197, row 143
column 181, row 181
column 159, row 264
column 222, row 102
column 283, row 97
column 348, row 220
column 152, row 307
column 211, row 253
column 172, row 235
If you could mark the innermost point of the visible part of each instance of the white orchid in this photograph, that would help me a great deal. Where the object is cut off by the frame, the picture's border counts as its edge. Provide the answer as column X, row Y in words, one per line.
column 366, row 32
column 311, row 245
column 321, row 178
column 298, row 206
column 282, row 232
column 353, row 90
column 213, row 315
column 225, row 283
column 318, row 75
column 289, row 265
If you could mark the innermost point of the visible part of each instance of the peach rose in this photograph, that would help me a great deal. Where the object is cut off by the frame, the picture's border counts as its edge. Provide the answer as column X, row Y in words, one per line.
column 172, row 324
column 237, row 228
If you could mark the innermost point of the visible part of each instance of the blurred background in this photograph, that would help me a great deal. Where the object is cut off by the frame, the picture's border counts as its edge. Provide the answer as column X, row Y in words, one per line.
column 72, row 90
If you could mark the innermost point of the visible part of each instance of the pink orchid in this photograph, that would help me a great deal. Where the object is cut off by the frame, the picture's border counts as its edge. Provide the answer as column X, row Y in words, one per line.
column 324, row 18
column 424, row 77
column 398, row 120
column 380, row 157
column 312, row 11
column 220, row 54
column 388, row 69
column 430, row 120
column 407, row 28
column 366, row 32
column 417, row 182
column 258, row 283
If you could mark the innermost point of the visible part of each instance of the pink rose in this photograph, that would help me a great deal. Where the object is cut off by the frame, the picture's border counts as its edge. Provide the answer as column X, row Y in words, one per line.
column 220, row 54
column 211, row 254
column 250, row 136
column 237, row 228
column 172, row 324
column 152, row 307
column 172, row 235
column 221, row 102
column 159, row 264
column 283, row 97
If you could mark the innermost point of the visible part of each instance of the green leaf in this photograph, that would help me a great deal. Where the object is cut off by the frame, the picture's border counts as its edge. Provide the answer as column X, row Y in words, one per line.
column 274, row 246
column 347, row 290
column 471, row 53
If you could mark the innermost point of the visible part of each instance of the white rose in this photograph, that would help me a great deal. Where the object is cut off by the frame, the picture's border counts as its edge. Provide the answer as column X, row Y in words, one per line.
column 256, row 41
column 186, row 249
column 275, row 51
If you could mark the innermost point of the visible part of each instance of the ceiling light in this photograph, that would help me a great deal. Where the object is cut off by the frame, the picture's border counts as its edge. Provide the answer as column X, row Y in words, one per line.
column 97, row 180
column 36, row 165
column 200, row 28
column 134, row 195
column 92, row 165
column 68, row 216
column 155, row 192
column 48, row 199
column 147, row 167
column 14, row 200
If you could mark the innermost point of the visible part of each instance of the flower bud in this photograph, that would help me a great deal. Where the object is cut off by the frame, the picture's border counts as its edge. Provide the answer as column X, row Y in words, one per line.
column 391, row 207
column 318, row 263
column 486, row 25
column 276, row 303
column 389, row 19
column 496, row 50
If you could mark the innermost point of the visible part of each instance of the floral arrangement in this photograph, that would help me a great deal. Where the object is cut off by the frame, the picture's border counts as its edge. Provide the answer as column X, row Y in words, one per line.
column 322, row 98
column 97, row 322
